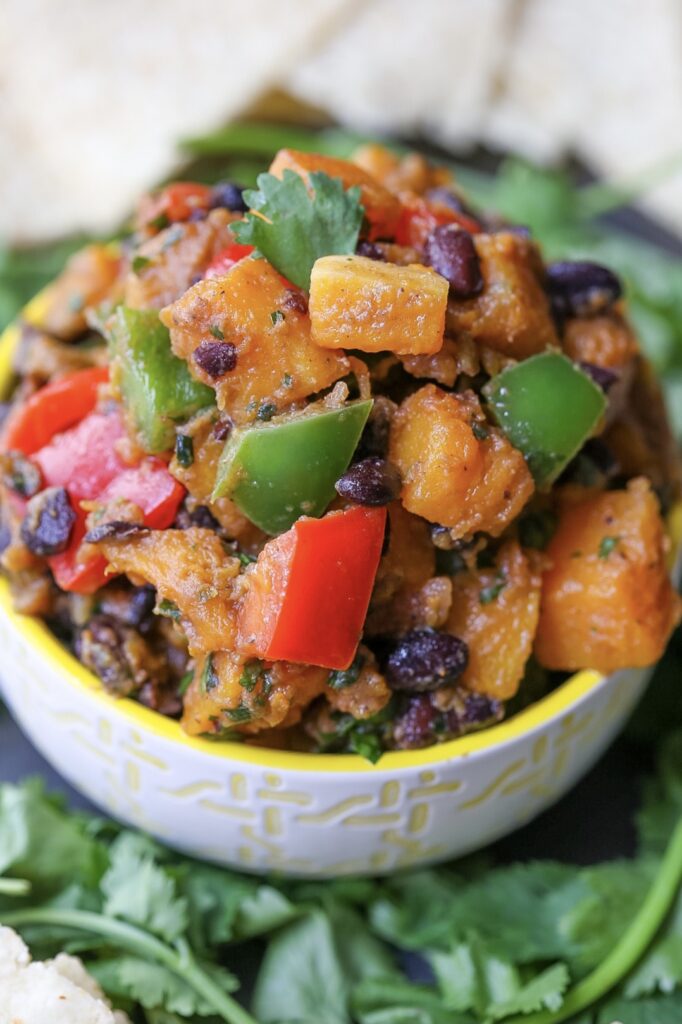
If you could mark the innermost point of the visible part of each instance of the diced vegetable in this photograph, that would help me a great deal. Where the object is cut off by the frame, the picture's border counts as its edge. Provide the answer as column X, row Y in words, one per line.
column 547, row 408
column 227, row 258
column 419, row 217
column 607, row 599
column 364, row 304
column 85, row 461
column 278, row 471
column 606, row 341
column 156, row 386
column 382, row 208
column 276, row 361
column 52, row 409
column 457, row 471
column 495, row 611
column 178, row 201
column 512, row 314
column 309, row 591
column 189, row 568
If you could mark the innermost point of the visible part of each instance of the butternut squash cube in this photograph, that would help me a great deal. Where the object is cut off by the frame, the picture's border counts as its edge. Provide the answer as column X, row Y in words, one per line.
column 457, row 470
column 382, row 208
column 607, row 600
column 250, row 307
column 495, row 611
column 363, row 304
column 511, row 314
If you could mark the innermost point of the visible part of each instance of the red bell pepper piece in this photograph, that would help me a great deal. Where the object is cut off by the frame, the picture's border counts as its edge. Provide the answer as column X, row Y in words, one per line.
column 227, row 258
column 419, row 217
column 178, row 200
column 85, row 461
column 309, row 592
column 52, row 409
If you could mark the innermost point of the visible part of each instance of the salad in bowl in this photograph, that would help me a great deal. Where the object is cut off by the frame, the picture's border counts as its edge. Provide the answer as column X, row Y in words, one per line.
column 336, row 464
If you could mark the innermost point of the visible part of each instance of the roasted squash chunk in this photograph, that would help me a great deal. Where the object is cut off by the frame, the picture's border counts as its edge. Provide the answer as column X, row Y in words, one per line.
column 512, row 312
column 276, row 361
column 607, row 600
column 174, row 257
column 495, row 610
column 229, row 692
column 364, row 304
column 190, row 569
column 382, row 208
column 605, row 341
column 457, row 471
column 89, row 277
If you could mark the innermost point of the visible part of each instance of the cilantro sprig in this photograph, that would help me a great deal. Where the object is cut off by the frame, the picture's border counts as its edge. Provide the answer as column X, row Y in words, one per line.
column 293, row 224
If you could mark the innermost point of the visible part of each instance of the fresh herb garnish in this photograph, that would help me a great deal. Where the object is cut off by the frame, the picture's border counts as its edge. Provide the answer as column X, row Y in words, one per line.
column 277, row 316
column 294, row 223
column 168, row 609
column 480, row 431
column 184, row 450
column 185, row 683
column 209, row 677
column 139, row 263
column 607, row 545
column 239, row 714
column 252, row 673
column 490, row 593
column 216, row 332
column 339, row 679
column 266, row 411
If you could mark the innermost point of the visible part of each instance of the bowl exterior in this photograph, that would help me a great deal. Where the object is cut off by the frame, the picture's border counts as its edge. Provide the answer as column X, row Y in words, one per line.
column 325, row 823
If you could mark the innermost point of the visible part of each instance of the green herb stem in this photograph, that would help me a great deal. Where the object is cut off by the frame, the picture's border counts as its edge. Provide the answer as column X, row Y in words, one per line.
column 633, row 945
column 137, row 941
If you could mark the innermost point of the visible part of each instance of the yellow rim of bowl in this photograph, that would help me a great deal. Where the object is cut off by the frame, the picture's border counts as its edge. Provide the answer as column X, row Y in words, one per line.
column 39, row 637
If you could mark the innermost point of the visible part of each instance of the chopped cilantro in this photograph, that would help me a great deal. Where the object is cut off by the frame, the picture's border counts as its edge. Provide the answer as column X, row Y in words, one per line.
column 216, row 332
column 295, row 223
column 480, row 431
column 168, row 609
column 184, row 684
column 160, row 222
column 251, row 675
column 277, row 316
column 490, row 593
column 139, row 263
column 245, row 558
column 184, row 450
column 339, row 679
column 266, row 411
column 607, row 546
column 239, row 714
column 287, row 380
column 209, row 677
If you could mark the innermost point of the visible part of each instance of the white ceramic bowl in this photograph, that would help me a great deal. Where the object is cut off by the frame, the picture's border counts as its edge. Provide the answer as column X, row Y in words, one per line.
column 303, row 814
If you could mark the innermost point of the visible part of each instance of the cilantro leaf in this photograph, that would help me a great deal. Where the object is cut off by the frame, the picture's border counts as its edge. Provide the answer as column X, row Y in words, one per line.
column 544, row 992
column 140, row 890
column 294, row 223
column 156, row 987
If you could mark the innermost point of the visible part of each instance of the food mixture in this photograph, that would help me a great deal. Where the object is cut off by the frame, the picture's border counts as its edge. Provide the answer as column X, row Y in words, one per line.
column 337, row 463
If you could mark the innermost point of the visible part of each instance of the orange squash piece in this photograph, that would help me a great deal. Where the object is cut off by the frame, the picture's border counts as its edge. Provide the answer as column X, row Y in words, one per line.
column 606, row 341
column 189, row 568
column 451, row 476
column 495, row 611
column 607, row 600
column 382, row 208
column 511, row 315
column 364, row 304
column 251, row 307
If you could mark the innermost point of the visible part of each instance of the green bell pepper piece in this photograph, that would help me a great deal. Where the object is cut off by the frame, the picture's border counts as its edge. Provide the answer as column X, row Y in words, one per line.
column 157, row 388
column 278, row 471
column 547, row 407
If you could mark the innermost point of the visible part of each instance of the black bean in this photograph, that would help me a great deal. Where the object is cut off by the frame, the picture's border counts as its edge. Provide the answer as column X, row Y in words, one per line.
column 48, row 523
column 581, row 288
column 19, row 474
column 295, row 302
column 373, row 481
column 478, row 709
column 223, row 428
column 451, row 252
column 370, row 250
column 130, row 606
column 199, row 515
column 101, row 647
column 600, row 375
column 216, row 358
column 229, row 196
column 118, row 529
column 425, row 660
column 416, row 726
